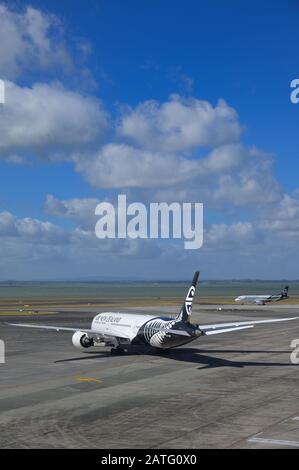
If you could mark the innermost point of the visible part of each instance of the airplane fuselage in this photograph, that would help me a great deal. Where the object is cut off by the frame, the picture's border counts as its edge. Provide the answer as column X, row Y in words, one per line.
column 257, row 299
column 144, row 329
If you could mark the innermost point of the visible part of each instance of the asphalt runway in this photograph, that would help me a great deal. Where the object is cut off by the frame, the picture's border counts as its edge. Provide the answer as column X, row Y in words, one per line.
column 234, row 390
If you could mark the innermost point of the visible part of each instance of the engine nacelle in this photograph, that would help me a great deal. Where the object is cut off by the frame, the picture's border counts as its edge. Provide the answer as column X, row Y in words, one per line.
column 81, row 341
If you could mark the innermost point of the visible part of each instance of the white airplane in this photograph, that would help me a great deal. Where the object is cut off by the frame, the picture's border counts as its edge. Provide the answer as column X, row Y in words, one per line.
column 262, row 299
column 121, row 330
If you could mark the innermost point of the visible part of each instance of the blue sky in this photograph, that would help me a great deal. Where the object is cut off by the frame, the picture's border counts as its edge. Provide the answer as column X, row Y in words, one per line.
column 120, row 55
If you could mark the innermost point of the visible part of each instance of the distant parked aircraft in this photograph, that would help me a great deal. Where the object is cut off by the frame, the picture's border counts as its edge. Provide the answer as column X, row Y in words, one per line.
column 262, row 299
column 122, row 330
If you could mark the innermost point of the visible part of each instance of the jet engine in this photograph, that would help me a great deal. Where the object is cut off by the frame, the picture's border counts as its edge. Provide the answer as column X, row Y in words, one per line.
column 81, row 341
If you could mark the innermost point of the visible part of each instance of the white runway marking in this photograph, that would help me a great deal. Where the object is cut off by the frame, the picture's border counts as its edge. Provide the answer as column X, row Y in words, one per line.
column 274, row 441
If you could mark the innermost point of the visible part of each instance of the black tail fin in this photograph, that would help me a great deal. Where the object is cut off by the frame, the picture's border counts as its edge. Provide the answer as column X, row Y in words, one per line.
column 186, row 309
column 284, row 293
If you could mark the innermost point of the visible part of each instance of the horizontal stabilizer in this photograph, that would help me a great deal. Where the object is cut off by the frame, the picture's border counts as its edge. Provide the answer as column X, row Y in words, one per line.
column 226, row 330
column 175, row 332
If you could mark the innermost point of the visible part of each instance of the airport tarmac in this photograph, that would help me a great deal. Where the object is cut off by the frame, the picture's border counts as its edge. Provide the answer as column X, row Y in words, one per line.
column 234, row 390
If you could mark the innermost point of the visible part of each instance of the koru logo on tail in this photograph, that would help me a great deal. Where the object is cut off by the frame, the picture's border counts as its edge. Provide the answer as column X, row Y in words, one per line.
column 189, row 299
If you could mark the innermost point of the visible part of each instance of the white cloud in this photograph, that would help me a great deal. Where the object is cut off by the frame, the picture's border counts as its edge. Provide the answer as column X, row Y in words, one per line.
column 287, row 209
column 7, row 224
column 30, row 39
column 180, row 124
column 228, row 235
column 31, row 248
column 222, row 159
column 81, row 211
column 230, row 174
column 281, row 219
column 166, row 155
column 41, row 250
column 30, row 229
column 123, row 166
column 252, row 184
column 49, row 120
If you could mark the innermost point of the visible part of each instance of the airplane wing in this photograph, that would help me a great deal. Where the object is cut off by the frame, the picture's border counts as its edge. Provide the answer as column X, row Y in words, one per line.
column 64, row 328
column 227, row 327
column 212, row 329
